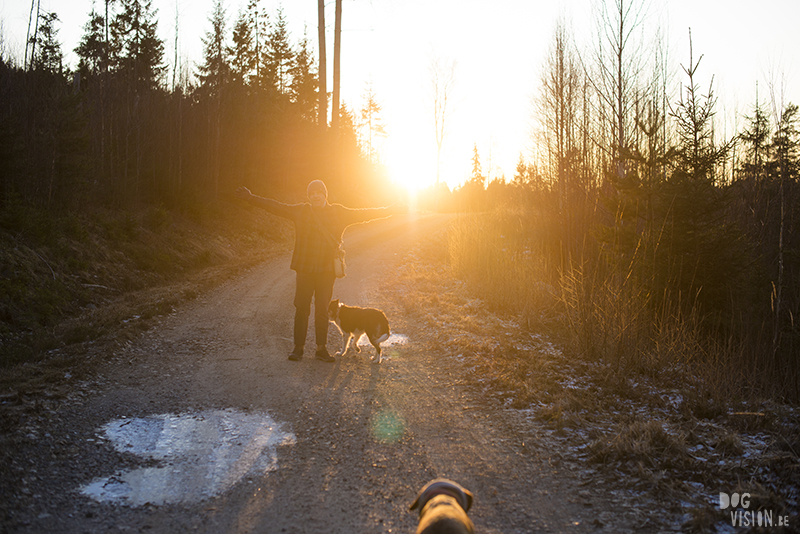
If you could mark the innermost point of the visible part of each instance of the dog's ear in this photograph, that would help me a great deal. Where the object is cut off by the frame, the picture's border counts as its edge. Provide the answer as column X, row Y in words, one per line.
column 468, row 495
column 462, row 494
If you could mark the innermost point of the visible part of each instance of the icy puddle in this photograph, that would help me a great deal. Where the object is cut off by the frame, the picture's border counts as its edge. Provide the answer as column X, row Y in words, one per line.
column 394, row 339
column 198, row 455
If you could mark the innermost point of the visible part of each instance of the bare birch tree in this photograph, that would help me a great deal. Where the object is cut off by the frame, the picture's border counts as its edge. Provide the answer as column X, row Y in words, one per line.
column 372, row 122
column 559, row 114
column 443, row 81
column 618, row 64
column 31, row 39
column 559, row 103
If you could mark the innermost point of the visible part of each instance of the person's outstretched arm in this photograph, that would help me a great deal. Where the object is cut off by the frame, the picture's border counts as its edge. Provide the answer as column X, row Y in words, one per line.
column 273, row 206
column 355, row 215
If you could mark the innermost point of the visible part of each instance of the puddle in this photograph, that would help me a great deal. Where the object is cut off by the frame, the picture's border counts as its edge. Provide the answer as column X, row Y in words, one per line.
column 198, row 455
column 394, row 339
column 389, row 347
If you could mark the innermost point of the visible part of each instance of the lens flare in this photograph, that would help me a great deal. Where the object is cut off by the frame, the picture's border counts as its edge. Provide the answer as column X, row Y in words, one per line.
column 388, row 426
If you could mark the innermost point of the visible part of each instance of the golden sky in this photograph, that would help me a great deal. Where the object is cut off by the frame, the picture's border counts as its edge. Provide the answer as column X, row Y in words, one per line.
column 498, row 47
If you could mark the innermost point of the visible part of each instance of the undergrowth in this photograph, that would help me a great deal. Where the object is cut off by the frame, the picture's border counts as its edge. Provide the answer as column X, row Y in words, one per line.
column 648, row 420
column 506, row 260
column 66, row 278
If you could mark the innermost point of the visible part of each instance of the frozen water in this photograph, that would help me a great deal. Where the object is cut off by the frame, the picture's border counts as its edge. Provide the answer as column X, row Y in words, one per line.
column 394, row 339
column 199, row 455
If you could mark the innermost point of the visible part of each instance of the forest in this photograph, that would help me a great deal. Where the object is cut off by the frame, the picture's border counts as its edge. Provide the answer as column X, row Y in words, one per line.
column 120, row 129
column 667, row 248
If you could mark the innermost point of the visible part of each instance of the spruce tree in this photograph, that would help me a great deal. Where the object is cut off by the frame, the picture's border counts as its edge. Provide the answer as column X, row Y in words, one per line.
column 755, row 139
column 48, row 50
column 304, row 82
column 138, row 51
column 278, row 56
column 91, row 50
column 785, row 145
column 243, row 53
column 700, row 255
column 372, row 122
column 215, row 70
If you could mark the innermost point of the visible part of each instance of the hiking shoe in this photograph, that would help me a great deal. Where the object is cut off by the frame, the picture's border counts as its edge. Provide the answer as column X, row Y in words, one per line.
column 297, row 354
column 323, row 356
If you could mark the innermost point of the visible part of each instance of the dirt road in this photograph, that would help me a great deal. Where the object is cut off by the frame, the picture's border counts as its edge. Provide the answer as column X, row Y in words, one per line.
column 350, row 442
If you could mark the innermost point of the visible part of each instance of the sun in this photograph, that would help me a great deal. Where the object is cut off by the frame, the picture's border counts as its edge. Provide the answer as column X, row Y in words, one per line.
column 410, row 155
column 410, row 175
column 409, row 163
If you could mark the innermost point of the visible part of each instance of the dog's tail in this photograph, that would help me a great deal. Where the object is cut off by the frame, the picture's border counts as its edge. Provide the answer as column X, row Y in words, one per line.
column 382, row 338
column 383, row 331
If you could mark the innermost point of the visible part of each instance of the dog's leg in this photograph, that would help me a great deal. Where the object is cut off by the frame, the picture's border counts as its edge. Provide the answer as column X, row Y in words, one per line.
column 345, row 341
column 377, row 346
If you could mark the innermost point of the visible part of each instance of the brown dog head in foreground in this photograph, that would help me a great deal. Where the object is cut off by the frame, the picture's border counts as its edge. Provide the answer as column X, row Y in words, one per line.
column 443, row 506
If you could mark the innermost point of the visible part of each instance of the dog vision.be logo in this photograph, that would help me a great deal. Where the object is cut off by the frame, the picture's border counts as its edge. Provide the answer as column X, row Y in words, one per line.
column 744, row 517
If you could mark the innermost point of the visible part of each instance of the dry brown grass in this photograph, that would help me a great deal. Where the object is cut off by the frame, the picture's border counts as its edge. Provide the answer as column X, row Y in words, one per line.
column 500, row 264
column 76, row 279
column 651, row 442
column 505, row 262
column 644, row 409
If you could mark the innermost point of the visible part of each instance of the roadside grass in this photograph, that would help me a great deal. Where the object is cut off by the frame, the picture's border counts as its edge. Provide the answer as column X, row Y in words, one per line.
column 69, row 280
column 653, row 421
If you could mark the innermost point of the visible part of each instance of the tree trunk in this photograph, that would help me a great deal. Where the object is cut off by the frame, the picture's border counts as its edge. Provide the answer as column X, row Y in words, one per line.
column 28, row 35
column 776, row 335
column 35, row 36
column 337, row 48
column 323, row 75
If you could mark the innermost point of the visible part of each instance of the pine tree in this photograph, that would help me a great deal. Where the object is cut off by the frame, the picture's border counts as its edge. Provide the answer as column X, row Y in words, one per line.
column 700, row 256
column 304, row 82
column 371, row 121
column 785, row 145
column 755, row 139
column 215, row 70
column 783, row 170
column 278, row 57
column 697, row 155
column 91, row 50
column 258, row 22
column 243, row 52
column 48, row 50
column 348, row 131
column 476, row 175
column 137, row 50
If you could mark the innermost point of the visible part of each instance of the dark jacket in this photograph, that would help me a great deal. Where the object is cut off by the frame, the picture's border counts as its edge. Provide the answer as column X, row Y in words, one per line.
column 313, row 252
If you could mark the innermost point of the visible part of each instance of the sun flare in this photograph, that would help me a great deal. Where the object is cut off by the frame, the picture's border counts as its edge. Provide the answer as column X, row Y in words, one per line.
column 409, row 174
column 409, row 164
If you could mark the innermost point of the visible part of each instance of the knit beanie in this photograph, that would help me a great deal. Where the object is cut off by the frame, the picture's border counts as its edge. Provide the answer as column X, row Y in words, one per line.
column 317, row 185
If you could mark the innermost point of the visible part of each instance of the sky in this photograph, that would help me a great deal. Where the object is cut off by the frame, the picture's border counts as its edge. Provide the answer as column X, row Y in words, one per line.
column 498, row 48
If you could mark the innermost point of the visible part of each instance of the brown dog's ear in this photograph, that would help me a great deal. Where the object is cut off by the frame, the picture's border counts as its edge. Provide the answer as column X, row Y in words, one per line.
column 441, row 485
column 468, row 495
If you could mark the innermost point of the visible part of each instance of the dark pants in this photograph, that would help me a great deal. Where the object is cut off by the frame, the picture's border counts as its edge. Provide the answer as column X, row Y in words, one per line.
column 320, row 286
